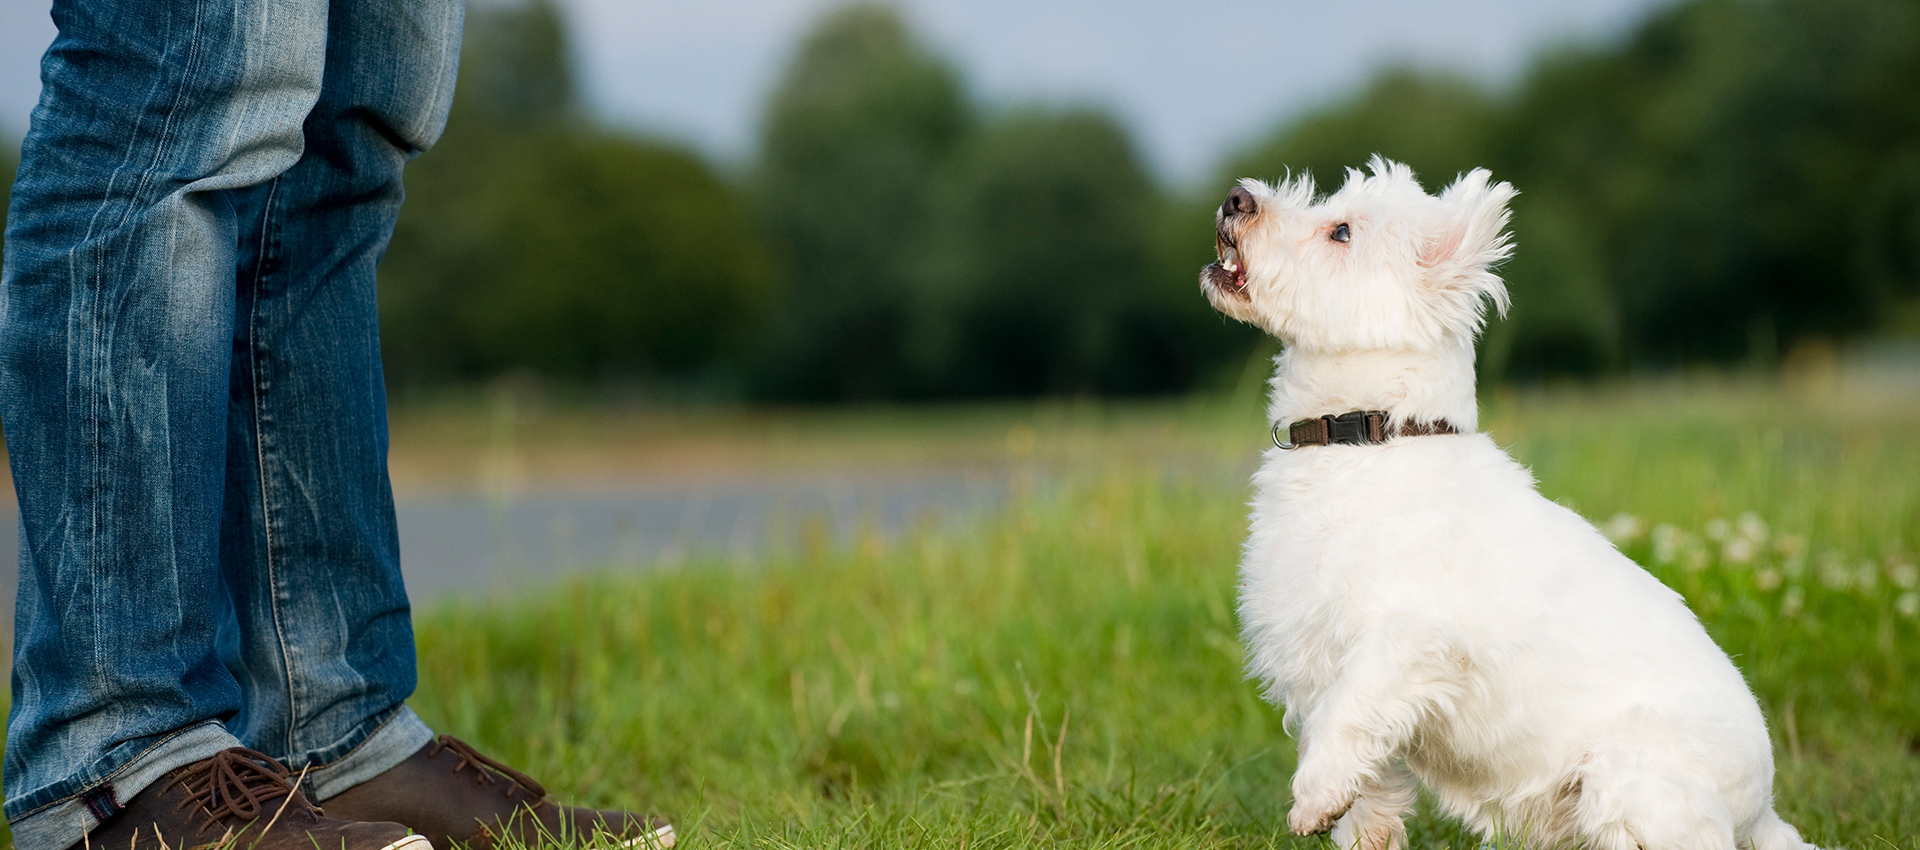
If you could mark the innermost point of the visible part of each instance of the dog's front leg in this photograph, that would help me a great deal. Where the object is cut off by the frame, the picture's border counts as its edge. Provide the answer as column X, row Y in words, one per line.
column 1352, row 733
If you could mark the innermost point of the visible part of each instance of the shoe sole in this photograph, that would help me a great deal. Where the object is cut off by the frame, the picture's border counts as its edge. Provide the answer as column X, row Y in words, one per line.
column 411, row 842
column 659, row 839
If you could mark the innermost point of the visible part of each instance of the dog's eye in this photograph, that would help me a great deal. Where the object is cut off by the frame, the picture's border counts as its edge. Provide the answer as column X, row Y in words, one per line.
column 1340, row 233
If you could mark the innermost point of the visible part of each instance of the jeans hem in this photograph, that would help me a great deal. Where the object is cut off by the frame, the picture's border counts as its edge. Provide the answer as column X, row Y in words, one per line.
column 64, row 822
column 401, row 735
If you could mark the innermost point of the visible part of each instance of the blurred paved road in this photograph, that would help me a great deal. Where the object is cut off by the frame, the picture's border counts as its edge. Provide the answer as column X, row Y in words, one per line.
column 464, row 544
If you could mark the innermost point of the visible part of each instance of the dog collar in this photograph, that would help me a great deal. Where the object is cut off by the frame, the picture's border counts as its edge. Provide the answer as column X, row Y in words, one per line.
column 1353, row 428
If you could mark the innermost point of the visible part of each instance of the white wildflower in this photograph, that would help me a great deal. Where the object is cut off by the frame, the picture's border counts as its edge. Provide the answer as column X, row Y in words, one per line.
column 1666, row 543
column 1867, row 576
column 1908, row 605
column 1624, row 528
column 1834, row 572
column 1738, row 550
column 1904, row 576
column 1767, row 579
column 1793, row 601
column 1752, row 527
column 1718, row 529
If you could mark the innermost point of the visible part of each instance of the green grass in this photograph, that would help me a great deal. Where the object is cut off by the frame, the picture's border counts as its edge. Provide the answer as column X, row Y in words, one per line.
column 1067, row 672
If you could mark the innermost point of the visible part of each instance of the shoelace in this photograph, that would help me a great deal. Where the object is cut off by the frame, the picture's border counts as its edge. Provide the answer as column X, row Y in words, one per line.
column 238, row 783
column 470, row 757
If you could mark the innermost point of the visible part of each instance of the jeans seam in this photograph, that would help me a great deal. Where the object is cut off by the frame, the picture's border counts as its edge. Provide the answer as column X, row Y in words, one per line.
column 95, row 290
column 165, row 134
column 260, row 460
column 112, row 773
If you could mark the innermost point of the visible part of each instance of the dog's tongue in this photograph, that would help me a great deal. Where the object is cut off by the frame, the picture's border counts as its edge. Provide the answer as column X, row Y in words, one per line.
column 1230, row 261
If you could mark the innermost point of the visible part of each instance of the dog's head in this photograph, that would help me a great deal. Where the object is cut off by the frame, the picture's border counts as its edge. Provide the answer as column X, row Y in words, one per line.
column 1379, row 264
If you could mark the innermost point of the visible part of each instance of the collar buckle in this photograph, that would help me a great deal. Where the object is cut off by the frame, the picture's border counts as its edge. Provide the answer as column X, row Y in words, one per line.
column 1350, row 428
column 1353, row 428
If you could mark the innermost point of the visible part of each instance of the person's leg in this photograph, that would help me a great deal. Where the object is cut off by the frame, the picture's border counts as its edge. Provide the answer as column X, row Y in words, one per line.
column 118, row 316
column 324, row 642
column 324, row 651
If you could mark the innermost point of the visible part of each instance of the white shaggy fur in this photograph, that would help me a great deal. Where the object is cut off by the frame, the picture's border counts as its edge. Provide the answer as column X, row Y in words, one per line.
column 1421, row 611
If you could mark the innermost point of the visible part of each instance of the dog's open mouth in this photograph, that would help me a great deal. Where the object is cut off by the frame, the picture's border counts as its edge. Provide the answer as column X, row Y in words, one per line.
column 1229, row 274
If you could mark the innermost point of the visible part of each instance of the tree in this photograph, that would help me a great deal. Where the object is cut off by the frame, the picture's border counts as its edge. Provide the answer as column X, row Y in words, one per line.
column 853, row 137
column 1439, row 125
column 516, row 68
column 531, row 240
column 1042, row 275
column 576, row 256
column 1697, row 172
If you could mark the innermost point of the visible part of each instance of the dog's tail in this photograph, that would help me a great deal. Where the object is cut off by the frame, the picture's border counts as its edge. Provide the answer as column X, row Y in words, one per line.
column 1772, row 833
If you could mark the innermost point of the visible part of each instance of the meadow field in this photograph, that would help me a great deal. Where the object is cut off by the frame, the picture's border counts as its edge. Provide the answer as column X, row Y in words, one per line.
column 1067, row 672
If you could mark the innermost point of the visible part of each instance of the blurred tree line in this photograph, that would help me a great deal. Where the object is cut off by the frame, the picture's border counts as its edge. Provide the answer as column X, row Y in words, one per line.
column 890, row 242
column 1732, row 178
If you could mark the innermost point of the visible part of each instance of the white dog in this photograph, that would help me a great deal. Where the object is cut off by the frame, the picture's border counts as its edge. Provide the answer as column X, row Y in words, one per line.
column 1422, row 613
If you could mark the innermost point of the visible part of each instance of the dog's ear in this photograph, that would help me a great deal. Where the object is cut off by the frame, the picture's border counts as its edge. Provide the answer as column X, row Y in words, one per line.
column 1470, row 238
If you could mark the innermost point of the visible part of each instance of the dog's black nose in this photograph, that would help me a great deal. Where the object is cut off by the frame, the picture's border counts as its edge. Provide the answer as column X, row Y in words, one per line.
column 1238, row 201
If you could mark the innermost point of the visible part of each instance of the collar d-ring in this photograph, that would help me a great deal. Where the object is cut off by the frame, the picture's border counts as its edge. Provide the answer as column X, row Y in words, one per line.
column 1276, row 439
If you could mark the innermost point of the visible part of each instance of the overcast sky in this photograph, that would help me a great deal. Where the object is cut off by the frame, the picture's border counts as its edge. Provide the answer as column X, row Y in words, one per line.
column 1194, row 79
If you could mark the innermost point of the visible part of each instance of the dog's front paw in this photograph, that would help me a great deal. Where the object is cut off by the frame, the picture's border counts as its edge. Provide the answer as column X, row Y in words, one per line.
column 1321, row 794
column 1315, row 813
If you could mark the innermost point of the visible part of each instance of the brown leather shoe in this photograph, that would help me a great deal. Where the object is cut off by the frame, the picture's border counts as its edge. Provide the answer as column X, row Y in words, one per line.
column 237, row 799
column 453, row 794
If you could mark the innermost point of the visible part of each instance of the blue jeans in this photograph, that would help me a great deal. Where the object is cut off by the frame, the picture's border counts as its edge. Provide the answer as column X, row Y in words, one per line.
column 191, row 388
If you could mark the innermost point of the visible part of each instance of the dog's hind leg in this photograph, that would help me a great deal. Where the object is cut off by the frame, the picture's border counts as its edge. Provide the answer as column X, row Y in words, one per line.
column 1626, row 807
column 1376, row 821
column 1772, row 833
